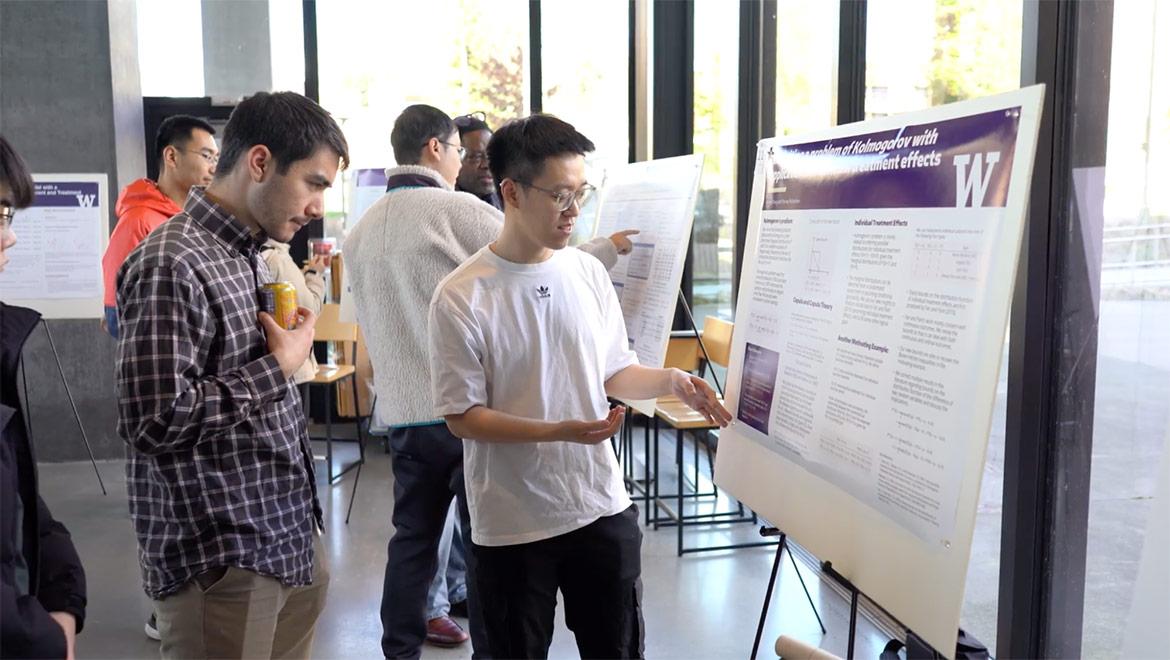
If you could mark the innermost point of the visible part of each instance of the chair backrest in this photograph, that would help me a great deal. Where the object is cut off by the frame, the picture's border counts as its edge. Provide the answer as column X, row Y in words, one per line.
column 330, row 328
column 682, row 353
column 717, row 339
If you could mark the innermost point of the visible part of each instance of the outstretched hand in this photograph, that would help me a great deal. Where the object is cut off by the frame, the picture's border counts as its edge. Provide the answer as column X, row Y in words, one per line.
column 696, row 393
column 591, row 433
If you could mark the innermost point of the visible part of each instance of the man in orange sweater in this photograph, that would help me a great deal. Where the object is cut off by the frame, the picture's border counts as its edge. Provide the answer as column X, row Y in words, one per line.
column 187, row 155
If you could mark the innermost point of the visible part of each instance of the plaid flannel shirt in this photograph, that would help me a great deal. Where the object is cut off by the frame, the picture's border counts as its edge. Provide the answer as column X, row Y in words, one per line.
column 219, row 468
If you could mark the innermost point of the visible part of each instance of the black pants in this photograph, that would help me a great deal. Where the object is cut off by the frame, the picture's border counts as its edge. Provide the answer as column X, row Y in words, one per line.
column 428, row 472
column 598, row 571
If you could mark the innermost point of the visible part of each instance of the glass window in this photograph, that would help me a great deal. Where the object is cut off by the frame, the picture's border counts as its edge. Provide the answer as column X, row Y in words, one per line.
column 377, row 57
column 589, row 87
column 716, row 95
column 921, row 53
column 1131, row 417
column 168, row 70
column 286, row 31
column 806, row 65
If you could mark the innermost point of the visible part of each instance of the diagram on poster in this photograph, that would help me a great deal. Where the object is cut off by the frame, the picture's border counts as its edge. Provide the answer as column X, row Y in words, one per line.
column 658, row 199
column 56, row 265
column 876, row 286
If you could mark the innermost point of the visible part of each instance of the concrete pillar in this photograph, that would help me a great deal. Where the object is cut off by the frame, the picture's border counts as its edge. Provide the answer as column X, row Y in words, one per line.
column 237, row 48
column 70, row 102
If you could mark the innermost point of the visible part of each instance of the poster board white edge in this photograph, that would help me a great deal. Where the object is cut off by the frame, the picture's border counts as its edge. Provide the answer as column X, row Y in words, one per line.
column 921, row 586
column 75, row 308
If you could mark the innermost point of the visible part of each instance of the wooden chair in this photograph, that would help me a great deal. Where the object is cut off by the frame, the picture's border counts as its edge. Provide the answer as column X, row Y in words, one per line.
column 682, row 352
column 717, row 335
column 330, row 329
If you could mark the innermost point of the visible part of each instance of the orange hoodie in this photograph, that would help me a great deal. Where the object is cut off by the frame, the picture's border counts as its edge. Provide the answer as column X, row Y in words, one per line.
column 141, row 207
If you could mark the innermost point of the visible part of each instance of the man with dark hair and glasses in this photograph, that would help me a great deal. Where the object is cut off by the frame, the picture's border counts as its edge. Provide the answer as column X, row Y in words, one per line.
column 408, row 241
column 42, row 582
column 186, row 154
column 219, row 470
column 527, row 340
column 476, row 178
column 419, row 231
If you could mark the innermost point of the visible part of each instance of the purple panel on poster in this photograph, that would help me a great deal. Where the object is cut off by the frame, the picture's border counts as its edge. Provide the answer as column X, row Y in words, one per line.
column 371, row 178
column 65, row 193
column 760, row 367
column 959, row 162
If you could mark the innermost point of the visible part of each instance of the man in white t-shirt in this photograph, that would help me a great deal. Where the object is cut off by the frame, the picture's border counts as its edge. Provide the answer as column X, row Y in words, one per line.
column 526, row 342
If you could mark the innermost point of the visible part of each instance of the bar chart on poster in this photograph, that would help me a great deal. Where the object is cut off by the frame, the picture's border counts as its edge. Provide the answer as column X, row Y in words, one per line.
column 656, row 198
column 877, row 279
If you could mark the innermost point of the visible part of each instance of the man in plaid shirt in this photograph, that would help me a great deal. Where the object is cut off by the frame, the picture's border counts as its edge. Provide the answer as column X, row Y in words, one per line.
column 219, row 470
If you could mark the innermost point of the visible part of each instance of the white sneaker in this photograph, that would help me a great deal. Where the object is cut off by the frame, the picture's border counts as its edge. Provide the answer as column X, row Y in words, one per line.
column 151, row 629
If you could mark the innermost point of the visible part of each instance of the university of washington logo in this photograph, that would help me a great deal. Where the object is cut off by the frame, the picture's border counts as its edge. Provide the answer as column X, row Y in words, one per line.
column 971, row 185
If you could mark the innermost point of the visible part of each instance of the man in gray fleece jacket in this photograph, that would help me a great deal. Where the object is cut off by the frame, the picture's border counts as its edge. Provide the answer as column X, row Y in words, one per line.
column 408, row 241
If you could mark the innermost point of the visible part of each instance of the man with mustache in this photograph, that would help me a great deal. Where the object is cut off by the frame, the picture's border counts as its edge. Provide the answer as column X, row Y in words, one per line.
column 219, row 469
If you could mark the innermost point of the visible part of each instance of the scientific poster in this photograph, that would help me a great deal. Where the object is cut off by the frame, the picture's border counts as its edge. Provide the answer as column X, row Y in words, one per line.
column 366, row 187
column 658, row 199
column 55, row 266
column 869, row 328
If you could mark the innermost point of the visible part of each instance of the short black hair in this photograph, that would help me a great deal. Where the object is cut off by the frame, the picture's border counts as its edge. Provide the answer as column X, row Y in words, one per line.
column 14, row 174
column 414, row 128
column 289, row 124
column 471, row 123
column 176, row 131
column 518, row 150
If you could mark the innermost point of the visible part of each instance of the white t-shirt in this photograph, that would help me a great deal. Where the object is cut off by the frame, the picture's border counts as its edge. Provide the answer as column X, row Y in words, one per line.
column 536, row 341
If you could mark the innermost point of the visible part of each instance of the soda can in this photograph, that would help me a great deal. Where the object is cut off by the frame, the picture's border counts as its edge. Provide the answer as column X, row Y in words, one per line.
column 282, row 298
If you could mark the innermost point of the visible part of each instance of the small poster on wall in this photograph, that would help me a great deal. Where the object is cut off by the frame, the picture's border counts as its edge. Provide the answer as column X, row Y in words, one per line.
column 56, row 265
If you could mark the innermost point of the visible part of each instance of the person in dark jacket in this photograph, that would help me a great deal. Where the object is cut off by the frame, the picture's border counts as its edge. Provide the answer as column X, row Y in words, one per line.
column 42, row 595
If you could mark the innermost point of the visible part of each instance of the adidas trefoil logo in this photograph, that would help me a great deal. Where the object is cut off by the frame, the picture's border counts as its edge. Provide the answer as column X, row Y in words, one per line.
column 542, row 292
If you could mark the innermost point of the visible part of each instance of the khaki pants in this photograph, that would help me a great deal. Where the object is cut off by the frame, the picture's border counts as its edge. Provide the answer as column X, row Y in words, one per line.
column 235, row 613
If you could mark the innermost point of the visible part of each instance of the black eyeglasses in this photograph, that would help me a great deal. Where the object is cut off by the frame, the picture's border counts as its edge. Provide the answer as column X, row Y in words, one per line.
column 476, row 157
column 462, row 150
column 7, row 215
column 463, row 121
column 565, row 198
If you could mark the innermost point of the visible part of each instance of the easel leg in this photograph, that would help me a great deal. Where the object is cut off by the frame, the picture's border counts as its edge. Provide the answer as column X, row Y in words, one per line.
column 768, row 596
column 646, row 467
column 76, row 415
column 678, row 446
column 780, row 548
column 852, row 625
column 805, row 587
column 361, row 448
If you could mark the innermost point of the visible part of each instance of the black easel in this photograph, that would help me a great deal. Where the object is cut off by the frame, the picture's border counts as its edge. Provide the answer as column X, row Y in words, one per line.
column 69, row 394
column 855, row 595
column 699, row 336
column 854, row 598
column 772, row 531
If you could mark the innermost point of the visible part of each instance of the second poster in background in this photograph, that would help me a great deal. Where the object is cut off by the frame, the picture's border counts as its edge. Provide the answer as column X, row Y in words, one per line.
column 657, row 198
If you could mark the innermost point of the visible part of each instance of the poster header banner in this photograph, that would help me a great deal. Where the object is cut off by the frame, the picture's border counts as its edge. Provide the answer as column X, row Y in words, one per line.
column 70, row 194
column 955, row 163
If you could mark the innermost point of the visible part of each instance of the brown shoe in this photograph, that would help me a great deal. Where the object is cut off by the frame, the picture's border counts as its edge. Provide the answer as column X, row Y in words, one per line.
column 443, row 631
